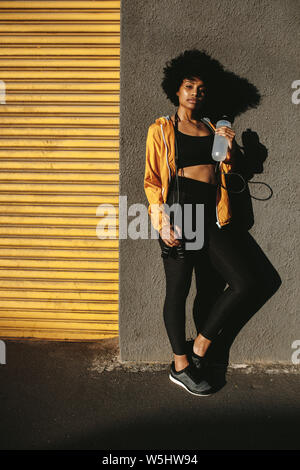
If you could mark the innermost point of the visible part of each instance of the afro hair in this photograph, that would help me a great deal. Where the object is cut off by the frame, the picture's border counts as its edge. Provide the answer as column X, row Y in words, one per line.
column 227, row 93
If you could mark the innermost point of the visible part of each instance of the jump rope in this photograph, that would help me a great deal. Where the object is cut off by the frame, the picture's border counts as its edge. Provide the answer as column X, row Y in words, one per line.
column 217, row 171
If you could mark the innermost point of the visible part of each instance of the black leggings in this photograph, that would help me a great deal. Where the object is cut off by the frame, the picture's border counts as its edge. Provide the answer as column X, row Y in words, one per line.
column 221, row 260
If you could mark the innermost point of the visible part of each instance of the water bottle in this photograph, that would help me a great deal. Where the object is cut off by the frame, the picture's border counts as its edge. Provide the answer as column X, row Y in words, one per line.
column 220, row 145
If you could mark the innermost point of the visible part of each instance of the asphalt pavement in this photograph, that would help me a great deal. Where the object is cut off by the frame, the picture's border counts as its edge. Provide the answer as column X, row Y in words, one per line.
column 71, row 396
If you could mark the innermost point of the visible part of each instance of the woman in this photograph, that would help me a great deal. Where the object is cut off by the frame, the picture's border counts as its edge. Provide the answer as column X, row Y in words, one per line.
column 187, row 83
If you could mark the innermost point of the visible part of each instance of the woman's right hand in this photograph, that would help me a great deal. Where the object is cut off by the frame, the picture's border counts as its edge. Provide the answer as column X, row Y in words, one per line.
column 168, row 235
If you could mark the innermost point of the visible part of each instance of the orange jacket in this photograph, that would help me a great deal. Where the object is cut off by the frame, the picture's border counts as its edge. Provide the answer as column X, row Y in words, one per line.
column 160, row 169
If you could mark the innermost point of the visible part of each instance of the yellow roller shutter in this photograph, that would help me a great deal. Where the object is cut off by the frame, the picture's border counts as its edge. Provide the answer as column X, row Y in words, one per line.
column 59, row 156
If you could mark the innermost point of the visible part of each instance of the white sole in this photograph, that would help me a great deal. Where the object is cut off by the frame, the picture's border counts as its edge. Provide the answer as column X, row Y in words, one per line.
column 185, row 387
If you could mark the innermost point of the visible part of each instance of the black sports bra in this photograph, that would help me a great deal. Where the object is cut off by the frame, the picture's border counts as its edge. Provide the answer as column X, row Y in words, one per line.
column 194, row 149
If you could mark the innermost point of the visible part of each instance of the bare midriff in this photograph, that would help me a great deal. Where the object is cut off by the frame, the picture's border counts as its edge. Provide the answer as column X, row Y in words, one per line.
column 205, row 173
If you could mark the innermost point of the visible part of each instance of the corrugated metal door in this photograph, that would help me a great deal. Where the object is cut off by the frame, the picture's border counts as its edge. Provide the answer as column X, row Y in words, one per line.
column 59, row 158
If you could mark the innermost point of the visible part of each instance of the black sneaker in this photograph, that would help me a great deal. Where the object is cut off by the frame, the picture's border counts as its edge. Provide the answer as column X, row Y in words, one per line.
column 190, row 379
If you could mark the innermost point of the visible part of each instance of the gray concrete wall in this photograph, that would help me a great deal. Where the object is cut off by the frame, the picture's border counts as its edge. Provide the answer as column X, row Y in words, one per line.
column 258, row 40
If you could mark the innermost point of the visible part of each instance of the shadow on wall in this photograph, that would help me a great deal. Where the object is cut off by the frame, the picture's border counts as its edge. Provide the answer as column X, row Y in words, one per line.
column 267, row 278
column 242, row 95
column 250, row 159
column 268, row 282
column 248, row 163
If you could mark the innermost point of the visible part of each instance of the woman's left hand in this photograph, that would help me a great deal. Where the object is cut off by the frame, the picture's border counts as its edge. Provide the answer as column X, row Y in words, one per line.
column 228, row 133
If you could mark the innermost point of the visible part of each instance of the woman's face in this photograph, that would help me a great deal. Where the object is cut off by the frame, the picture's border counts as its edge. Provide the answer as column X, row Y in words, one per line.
column 191, row 93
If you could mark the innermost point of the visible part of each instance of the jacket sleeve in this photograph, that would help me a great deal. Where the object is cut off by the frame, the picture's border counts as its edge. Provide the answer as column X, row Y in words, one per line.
column 152, row 178
column 233, row 157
